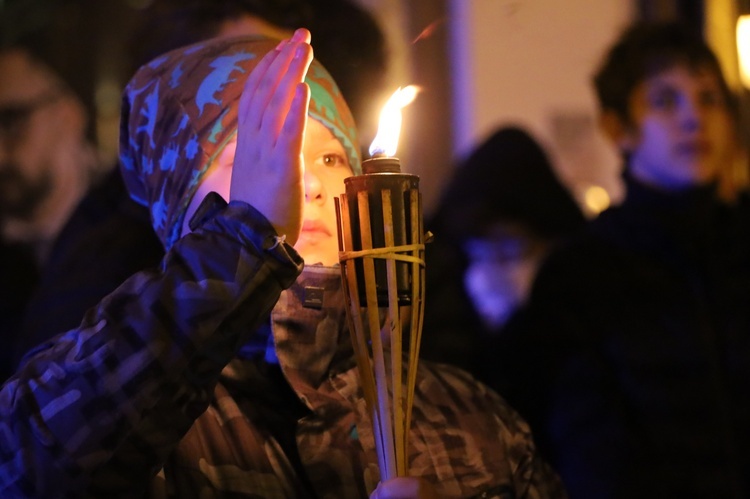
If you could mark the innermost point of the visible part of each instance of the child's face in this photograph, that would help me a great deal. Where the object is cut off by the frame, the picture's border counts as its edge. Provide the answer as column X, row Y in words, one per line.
column 326, row 167
column 682, row 132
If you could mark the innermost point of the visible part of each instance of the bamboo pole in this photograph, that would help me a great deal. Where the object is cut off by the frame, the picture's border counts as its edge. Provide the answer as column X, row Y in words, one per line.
column 387, row 384
column 357, row 332
column 394, row 323
column 383, row 406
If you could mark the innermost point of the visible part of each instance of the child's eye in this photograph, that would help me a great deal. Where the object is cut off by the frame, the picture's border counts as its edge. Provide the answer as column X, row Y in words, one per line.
column 333, row 160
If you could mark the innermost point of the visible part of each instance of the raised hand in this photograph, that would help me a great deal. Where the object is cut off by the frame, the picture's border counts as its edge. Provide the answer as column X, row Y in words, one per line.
column 268, row 167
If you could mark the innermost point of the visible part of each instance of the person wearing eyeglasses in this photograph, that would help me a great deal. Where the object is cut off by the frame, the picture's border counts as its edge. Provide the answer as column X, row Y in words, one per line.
column 47, row 162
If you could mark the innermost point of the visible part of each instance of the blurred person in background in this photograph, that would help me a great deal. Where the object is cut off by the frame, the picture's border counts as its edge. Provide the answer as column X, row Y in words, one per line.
column 632, row 357
column 501, row 213
column 48, row 160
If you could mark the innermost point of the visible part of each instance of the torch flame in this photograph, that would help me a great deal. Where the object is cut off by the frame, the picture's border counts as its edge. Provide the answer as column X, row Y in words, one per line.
column 389, row 126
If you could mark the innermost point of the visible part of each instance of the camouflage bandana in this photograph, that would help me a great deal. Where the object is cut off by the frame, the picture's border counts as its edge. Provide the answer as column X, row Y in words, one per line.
column 180, row 110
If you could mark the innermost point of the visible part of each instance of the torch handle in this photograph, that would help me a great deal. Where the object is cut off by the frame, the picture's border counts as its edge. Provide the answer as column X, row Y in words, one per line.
column 381, row 239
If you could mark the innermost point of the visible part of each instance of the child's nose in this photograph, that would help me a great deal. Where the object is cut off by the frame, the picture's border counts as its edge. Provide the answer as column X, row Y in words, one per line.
column 314, row 190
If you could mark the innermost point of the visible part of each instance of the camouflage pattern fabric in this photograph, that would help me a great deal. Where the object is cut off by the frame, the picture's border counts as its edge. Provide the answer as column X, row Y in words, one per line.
column 149, row 398
column 465, row 440
column 144, row 399
column 97, row 411
column 180, row 110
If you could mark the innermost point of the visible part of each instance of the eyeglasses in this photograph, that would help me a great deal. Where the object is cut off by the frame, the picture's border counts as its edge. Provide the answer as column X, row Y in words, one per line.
column 14, row 117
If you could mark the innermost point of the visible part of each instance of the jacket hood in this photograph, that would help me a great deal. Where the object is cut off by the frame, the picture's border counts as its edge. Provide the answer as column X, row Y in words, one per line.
column 180, row 110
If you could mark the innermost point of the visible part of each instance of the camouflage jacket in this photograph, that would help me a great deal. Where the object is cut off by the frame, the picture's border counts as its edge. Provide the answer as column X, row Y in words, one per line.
column 154, row 396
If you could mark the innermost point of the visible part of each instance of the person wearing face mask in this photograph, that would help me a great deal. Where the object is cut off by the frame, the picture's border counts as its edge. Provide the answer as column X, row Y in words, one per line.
column 631, row 359
column 214, row 374
column 502, row 212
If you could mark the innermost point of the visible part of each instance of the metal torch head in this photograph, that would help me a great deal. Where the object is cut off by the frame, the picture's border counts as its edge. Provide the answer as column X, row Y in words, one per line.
column 381, row 221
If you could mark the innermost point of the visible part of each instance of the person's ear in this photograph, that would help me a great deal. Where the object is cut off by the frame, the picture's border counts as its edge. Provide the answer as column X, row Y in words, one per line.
column 617, row 130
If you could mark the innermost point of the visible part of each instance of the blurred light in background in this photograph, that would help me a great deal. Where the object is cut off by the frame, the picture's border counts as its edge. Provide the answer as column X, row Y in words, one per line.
column 596, row 199
column 743, row 48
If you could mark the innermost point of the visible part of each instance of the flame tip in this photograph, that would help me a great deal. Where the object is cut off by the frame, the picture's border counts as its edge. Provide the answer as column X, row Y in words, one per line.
column 386, row 139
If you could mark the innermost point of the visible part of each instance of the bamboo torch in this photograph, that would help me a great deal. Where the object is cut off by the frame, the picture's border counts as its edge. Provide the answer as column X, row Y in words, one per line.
column 381, row 251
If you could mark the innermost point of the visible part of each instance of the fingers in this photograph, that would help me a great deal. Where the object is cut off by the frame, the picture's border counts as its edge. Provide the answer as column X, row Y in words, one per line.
column 281, row 100
column 258, row 74
column 252, row 84
column 274, row 107
column 268, row 170
column 301, row 35
column 293, row 131
column 271, row 86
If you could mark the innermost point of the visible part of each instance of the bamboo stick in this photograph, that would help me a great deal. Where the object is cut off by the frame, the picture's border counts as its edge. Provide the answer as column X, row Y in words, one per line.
column 359, row 338
column 381, row 378
column 394, row 323
column 417, row 314
column 389, row 401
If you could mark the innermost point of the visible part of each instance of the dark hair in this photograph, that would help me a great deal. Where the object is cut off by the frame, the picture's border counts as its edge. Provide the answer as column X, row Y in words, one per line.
column 346, row 37
column 169, row 24
column 37, row 27
column 645, row 49
column 508, row 179
column 350, row 43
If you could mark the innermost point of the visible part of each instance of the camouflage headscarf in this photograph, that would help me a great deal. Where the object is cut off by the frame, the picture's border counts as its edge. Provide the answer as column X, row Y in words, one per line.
column 180, row 110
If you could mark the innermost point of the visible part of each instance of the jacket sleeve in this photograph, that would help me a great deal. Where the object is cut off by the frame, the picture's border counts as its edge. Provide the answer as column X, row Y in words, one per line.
column 98, row 408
